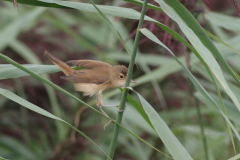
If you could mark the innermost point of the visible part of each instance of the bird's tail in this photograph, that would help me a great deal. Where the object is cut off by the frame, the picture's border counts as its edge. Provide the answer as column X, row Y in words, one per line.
column 63, row 66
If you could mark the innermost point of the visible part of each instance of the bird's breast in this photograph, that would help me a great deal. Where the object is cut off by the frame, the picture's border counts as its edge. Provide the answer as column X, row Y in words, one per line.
column 90, row 89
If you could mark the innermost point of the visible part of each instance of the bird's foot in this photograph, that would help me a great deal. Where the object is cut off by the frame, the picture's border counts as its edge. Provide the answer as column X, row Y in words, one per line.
column 107, row 124
column 115, row 106
column 122, row 109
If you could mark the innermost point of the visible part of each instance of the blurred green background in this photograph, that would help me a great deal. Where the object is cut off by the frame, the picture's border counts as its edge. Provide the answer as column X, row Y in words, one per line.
column 72, row 34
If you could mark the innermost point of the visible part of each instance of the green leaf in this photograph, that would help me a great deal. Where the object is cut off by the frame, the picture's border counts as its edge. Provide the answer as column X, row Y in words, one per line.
column 149, row 5
column 39, row 3
column 221, row 20
column 10, row 71
column 31, row 57
column 195, row 33
column 39, row 110
column 139, row 108
column 235, row 157
column 200, row 41
column 116, row 11
column 170, row 141
column 149, row 34
column 221, row 41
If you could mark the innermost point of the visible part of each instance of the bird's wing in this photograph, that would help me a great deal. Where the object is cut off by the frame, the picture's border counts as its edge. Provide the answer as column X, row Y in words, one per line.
column 93, row 76
column 89, row 64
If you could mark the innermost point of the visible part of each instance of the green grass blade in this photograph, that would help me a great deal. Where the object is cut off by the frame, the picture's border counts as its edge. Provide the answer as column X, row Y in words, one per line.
column 140, row 3
column 39, row 110
column 2, row 158
column 139, row 108
column 170, row 141
column 201, row 42
column 128, row 79
column 118, row 11
column 149, row 34
column 213, row 103
column 10, row 71
column 235, row 157
column 221, row 41
column 185, row 19
column 226, row 19
column 27, row 54
column 39, row 3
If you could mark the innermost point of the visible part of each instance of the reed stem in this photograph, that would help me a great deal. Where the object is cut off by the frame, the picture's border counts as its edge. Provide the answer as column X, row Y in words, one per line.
column 202, row 129
column 129, row 75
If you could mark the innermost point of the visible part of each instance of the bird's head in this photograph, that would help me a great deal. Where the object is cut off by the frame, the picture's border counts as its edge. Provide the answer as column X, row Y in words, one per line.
column 120, row 75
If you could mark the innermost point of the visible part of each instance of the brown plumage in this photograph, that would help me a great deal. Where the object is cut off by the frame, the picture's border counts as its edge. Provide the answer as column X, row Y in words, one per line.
column 96, row 76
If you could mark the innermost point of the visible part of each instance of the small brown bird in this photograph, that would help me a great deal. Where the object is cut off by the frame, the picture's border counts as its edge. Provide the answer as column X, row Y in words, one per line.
column 96, row 77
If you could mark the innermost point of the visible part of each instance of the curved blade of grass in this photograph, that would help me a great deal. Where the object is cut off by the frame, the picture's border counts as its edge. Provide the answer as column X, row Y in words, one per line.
column 114, row 11
column 192, row 23
column 201, row 42
column 39, row 3
column 10, row 71
column 139, row 108
column 221, row 41
column 168, row 138
column 71, row 96
column 140, row 3
column 119, row 12
column 235, row 157
column 213, row 103
column 27, row 54
column 41, row 111
column 149, row 34
column 226, row 18
column 208, row 58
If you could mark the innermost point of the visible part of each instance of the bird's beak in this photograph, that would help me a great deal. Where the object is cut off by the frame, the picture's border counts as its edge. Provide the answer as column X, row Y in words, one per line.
column 133, row 81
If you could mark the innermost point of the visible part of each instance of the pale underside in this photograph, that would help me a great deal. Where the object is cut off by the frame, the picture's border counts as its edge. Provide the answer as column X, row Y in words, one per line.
column 90, row 89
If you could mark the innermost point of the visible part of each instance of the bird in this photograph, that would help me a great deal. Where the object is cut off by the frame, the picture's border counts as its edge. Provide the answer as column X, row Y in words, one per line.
column 93, row 78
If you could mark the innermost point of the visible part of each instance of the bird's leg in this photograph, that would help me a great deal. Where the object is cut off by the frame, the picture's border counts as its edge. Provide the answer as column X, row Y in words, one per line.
column 100, row 104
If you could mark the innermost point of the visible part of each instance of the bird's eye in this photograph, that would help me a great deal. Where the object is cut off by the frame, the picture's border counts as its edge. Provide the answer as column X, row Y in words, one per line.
column 121, row 76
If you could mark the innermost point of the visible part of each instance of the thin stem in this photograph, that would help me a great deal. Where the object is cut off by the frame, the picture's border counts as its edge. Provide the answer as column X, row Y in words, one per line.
column 187, row 100
column 202, row 129
column 129, row 75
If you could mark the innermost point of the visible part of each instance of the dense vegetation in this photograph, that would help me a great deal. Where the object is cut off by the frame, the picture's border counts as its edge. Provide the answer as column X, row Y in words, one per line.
column 186, row 68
